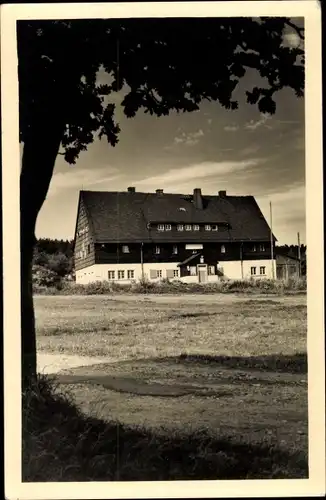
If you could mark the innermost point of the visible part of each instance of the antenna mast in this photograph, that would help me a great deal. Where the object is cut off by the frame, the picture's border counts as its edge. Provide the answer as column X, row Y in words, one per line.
column 272, row 242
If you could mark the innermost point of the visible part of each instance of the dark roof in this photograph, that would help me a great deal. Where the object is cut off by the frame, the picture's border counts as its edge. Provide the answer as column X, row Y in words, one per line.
column 124, row 216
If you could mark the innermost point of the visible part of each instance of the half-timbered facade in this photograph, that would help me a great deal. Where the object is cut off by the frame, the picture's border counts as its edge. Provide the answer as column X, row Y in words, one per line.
column 125, row 236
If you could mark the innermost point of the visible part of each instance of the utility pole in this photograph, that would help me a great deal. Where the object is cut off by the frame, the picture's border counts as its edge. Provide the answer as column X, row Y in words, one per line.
column 241, row 258
column 299, row 254
column 142, row 260
column 272, row 242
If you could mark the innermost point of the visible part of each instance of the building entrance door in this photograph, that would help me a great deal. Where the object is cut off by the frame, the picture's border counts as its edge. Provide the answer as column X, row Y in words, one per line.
column 202, row 273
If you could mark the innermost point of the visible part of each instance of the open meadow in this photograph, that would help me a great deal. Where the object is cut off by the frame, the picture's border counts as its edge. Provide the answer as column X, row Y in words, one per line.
column 230, row 366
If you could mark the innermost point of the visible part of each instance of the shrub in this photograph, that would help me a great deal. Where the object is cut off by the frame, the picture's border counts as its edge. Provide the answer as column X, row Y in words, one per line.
column 44, row 277
column 174, row 287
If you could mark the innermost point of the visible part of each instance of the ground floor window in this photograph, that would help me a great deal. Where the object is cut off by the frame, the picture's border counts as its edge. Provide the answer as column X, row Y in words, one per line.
column 262, row 270
column 176, row 273
column 121, row 275
column 159, row 273
column 131, row 274
column 253, row 271
column 211, row 270
column 111, row 275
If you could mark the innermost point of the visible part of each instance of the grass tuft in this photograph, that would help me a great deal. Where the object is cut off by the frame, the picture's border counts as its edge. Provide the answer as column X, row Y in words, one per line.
column 61, row 444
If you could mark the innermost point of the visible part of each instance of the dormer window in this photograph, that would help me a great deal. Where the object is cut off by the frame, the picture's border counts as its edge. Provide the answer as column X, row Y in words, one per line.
column 262, row 248
column 195, row 227
column 157, row 250
column 222, row 248
column 215, row 227
column 175, row 250
column 160, row 227
column 188, row 227
column 180, row 227
column 125, row 249
column 168, row 227
column 208, row 227
column 182, row 209
column 254, row 249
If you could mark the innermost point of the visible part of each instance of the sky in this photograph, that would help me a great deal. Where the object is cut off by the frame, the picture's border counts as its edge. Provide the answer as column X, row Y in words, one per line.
column 242, row 152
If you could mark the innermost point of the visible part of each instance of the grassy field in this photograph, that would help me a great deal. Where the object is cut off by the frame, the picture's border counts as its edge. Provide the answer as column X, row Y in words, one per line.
column 232, row 367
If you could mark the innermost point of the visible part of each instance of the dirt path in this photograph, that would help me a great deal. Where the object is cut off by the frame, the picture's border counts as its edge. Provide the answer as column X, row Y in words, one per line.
column 49, row 363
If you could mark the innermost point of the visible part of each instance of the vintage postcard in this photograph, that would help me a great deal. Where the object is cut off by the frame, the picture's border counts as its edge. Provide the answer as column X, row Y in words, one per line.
column 163, row 250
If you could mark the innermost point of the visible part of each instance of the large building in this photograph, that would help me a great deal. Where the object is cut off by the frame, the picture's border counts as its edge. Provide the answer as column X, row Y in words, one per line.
column 125, row 236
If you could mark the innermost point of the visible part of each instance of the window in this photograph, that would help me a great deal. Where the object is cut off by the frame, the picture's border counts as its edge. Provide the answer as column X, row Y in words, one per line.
column 131, row 274
column 222, row 248
column 196, row 227
column 88, row 249
column 168, row 227
column 188, row 227
column 194, row 246
column 160, row 227
column 180, row 227
column 159, row 273
column 262, row 248
column 262, row 270
column 176, row 273
column 111, row 275
column 157, row 250
column 207, row 227
column 125, row 249
column 211, row 270
column 121, row 275
column 175, row 250
column 252, row 271
column 215, row 228
column 182, row 209
column 254, row 249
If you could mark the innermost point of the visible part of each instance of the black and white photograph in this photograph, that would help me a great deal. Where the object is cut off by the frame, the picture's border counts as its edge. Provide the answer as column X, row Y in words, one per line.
column 164, row 200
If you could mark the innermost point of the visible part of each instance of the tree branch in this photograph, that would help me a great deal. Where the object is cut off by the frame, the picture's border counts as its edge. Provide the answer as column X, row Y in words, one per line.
column 299, row 31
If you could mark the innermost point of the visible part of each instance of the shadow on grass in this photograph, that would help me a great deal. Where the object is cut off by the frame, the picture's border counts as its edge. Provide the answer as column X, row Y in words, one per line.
column 296, row 363
column 62, row 444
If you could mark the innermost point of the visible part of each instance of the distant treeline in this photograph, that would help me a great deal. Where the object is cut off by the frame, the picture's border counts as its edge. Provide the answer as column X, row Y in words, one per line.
column 53, row 261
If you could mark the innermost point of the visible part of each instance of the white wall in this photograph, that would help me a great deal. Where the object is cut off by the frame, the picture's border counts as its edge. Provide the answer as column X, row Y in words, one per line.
column 231, row 269
column 99, row 272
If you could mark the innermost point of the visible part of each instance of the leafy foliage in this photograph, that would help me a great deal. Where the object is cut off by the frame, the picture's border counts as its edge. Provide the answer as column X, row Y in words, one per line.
column 164, row 64
column 53, row 261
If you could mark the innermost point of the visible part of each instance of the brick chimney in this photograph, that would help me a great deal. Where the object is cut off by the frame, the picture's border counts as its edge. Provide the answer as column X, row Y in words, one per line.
column 159, row 192
column 131, row 190
column 198, row 201
column 222, row 194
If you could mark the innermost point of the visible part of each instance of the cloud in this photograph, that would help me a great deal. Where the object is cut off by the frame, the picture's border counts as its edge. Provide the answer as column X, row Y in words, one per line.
column 175, row 177
column 288, row 212
column 252, row 125
column 189, row 139
column 231, row 128
column 74, row 178
column 292, row 40
column 250, row 150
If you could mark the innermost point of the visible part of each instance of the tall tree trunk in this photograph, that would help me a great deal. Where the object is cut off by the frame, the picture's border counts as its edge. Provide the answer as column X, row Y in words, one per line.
column 39, row 154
